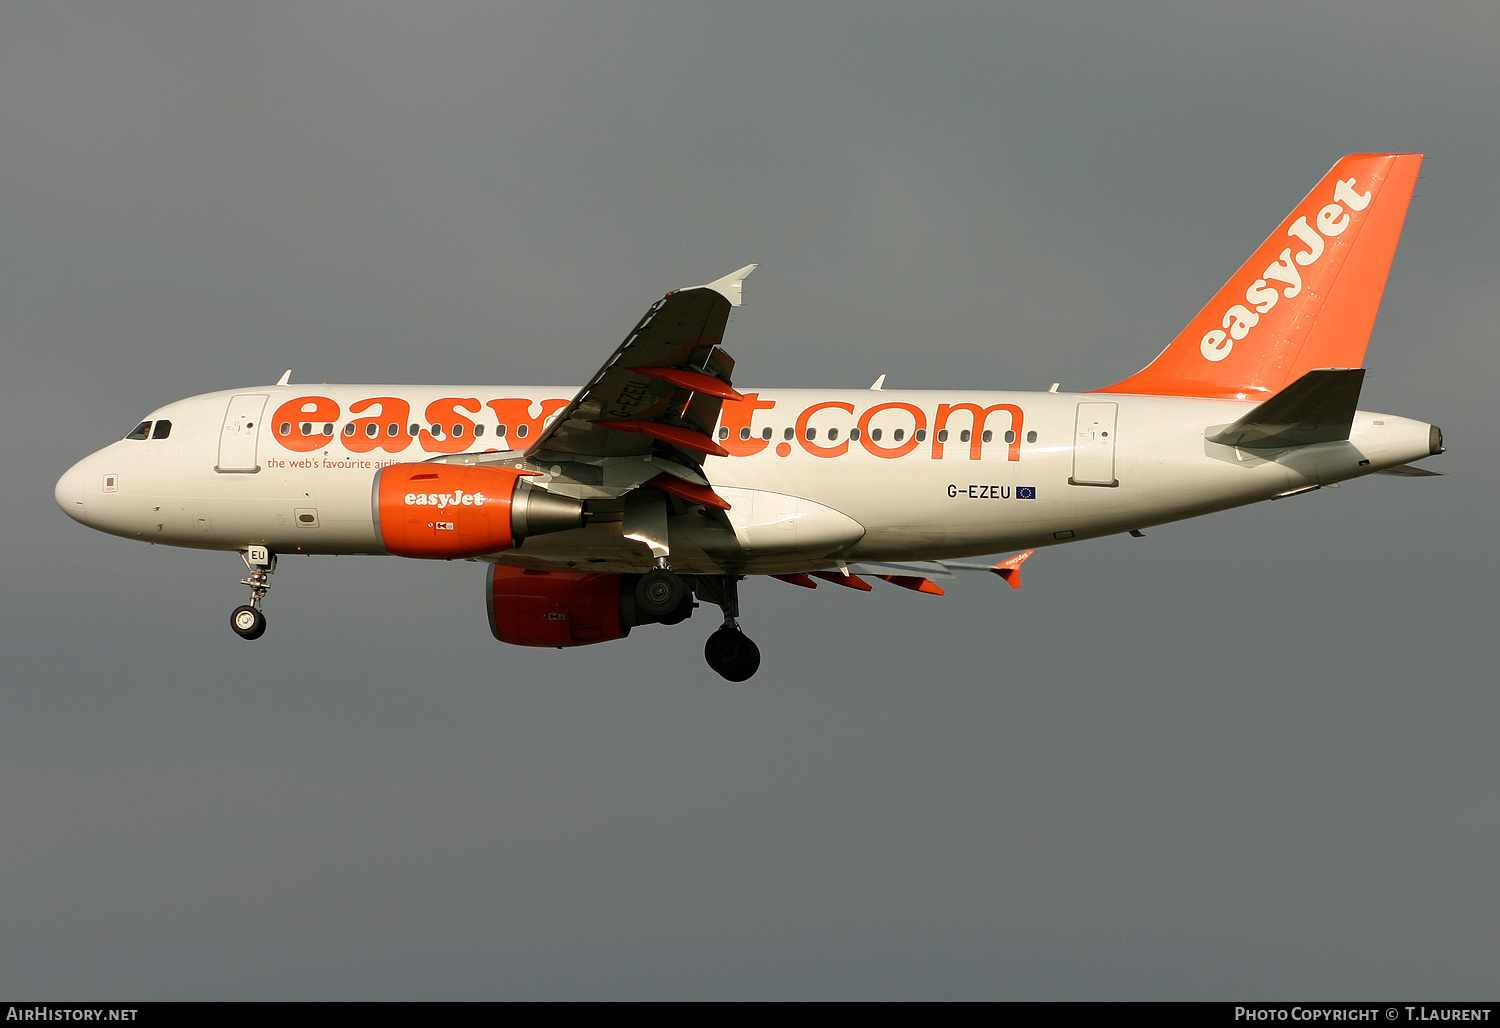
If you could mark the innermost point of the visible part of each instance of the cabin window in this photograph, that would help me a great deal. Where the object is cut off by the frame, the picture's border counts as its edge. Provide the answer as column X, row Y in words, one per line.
column 1010, row 437
column 942, row 435
column 875, row 434
column 500, row 431
column 988, row 435
column 140, row 431
column 393, row 430
column 921, row 434
column 963, row 436
column 833, row 434
column 436, row 429
column 787, row 434
column 328, row 428
column 765, row 433
column 413, row 430
column 286, row 429
column 521, row 431
column 349, row 428
column 854, row 434
column 458, row 430
column 372, row 430
column 899, row 434
column 745, row 432
column 1031, row 437
column 723, row 433
column 812, row 433
column 478, row 431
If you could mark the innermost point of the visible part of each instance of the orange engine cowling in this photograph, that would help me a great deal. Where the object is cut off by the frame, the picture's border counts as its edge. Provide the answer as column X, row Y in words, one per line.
column 557, row 608
column 463, row 510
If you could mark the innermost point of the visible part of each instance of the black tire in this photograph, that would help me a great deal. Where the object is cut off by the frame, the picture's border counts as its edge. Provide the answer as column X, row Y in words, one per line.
column 731, row 654
column 248, row 622
column 658, row 594
column 682, row 613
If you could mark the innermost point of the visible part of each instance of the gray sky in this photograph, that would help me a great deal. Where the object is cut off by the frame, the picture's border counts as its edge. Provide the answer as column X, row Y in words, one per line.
column 1248, row 756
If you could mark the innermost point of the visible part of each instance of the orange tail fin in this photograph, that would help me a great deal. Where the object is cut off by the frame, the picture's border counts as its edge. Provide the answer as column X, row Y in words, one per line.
column 1306, row 299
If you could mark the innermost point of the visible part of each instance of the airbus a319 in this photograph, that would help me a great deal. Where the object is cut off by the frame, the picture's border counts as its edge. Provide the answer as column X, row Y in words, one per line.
column 662, row 483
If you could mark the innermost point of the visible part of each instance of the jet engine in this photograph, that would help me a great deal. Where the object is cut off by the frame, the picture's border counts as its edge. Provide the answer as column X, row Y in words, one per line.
column 532, row 607
column 557, row 608
column 446, row 511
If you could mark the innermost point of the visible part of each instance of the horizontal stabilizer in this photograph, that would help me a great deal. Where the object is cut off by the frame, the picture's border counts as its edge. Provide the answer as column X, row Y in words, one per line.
column 1317, row 408
column 1407, row 471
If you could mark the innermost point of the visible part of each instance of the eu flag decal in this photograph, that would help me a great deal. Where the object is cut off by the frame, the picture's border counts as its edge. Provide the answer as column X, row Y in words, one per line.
column 1025, row 492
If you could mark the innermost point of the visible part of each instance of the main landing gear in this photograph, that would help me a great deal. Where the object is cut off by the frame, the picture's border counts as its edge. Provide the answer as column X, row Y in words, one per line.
column 728, row 651
column 664, row 597
column 247, row 620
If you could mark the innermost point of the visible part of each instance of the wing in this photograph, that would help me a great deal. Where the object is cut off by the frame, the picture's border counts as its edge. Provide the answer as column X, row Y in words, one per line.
column 651, row 409
column 916, row 575
column 631, row 444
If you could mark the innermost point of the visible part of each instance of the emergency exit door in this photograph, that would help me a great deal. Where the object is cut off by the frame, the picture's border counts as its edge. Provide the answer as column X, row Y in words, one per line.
column 241, row 429
column 1094, row 445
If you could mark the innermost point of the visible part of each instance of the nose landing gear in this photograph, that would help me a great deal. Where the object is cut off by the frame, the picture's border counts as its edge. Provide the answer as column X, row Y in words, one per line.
column 728, row 651
column 247, row 620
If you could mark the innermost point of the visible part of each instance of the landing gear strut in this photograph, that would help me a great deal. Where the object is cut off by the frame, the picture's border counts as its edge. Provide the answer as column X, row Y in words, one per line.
column 728, row 651
column 247, row 620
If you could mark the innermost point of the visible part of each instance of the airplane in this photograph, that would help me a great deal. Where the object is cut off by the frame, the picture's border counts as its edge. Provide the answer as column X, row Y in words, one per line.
column 660, row 484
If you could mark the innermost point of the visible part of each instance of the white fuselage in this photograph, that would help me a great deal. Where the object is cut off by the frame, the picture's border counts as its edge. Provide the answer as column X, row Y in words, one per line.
column 815, row 477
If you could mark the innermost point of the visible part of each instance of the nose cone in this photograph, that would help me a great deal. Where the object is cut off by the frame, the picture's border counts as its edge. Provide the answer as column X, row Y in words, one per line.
column 71, row 489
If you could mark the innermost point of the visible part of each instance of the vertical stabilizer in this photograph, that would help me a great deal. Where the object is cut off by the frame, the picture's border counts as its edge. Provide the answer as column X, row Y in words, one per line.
column 1306, row 299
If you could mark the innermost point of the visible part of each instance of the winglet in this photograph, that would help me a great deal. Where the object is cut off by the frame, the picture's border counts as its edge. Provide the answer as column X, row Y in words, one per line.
column 731, row 286
column 1010, row 568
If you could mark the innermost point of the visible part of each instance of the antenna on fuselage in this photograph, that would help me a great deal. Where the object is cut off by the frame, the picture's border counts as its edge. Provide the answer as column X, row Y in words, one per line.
column 286, row 376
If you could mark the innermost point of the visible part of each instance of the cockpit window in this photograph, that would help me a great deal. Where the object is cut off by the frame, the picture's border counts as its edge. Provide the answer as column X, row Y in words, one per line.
column 162, row 430
column 141, row 431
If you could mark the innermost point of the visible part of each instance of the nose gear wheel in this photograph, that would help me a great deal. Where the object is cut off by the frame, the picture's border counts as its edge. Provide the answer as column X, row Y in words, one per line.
column 247, row 622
